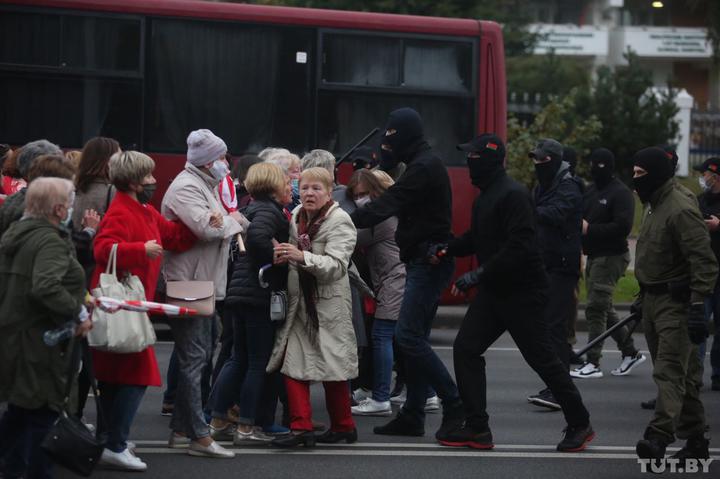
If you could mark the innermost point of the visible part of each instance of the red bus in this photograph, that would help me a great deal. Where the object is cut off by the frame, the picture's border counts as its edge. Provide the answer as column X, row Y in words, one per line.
column 147, row 72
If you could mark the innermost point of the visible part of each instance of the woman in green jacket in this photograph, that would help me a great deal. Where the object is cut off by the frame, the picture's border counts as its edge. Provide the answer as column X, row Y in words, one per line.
column 42, row 287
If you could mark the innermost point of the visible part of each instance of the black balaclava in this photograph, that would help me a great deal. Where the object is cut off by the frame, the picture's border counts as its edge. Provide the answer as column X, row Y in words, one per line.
column 491, row 152
column 570, row 156
column 548, row 169
column 403, row 131
column 659, row 170
column 602, row 167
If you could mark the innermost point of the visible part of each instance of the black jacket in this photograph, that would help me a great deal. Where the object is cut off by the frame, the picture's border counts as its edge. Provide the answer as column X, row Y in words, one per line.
column 267, row 221
column 503, row 237
column 710, row 205
column 610, row 212
column 559, row 216
column 422, row 201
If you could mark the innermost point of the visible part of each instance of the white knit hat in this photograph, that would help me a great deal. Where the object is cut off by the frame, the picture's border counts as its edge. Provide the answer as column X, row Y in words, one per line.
column 204, row 147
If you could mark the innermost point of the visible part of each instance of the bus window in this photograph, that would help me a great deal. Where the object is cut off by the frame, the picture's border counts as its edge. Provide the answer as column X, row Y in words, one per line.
column 243, row 82
column 442, row 66
column 362, row 61
column 29, row 39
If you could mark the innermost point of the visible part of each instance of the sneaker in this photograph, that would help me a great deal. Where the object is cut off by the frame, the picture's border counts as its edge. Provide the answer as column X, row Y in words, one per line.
column 545, row 399
column 223, row 433
column 123, row 461
column 254, row 435
column 213, row 450
column 276, row 430
column 371, row 407
column 360, row 394
column 627, row 364
column 432, row 404
column 587, row 371
column 466, row 437
column 453, row 418
column 167, row 410
column 400, row 426
column 576, row 438
column 88, row 426
column 400, row 397
column 177, row 441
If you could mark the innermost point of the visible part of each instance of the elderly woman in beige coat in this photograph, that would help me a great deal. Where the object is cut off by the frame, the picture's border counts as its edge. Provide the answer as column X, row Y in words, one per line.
column 317, row 341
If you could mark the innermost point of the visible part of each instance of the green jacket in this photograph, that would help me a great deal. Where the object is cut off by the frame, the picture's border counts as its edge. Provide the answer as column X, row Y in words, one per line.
column 42, row 286
column 12, row 210
column 674, row 244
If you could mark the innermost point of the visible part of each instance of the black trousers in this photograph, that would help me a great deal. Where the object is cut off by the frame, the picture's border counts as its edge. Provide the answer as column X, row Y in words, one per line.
column 520, row 313
column 560, row 309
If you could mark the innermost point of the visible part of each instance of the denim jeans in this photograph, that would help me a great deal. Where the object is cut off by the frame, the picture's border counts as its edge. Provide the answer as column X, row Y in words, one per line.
column 119, row 403
column 712, row 310
column 21, row 432
column 243, row 380
column 423, row 287
column 193, row 347
column 383, row 331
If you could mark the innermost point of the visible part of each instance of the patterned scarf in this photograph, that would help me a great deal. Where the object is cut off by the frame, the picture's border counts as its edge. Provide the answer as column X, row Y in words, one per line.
column 307, row 230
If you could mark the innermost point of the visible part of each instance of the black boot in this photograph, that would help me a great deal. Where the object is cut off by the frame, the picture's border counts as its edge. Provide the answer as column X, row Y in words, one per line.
column 648, row 404
column 401, row 426
column 305, row 438
column 332, row 437
column 697, row 447
column 652, row 446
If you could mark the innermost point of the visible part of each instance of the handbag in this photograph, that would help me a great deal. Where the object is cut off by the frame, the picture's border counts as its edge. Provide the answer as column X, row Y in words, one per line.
column 122, row 331
column 69, row 443
column 278, row 299
column 198, row 295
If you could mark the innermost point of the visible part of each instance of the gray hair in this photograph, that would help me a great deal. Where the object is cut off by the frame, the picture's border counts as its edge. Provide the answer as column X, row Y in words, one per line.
column 31, row 151
column 44, row 194
column 268, row 153
column 319, row 159
column 126, row 168
column 285, row 161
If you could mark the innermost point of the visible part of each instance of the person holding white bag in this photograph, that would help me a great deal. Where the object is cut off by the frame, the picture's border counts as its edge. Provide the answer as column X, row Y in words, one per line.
column 138, row 233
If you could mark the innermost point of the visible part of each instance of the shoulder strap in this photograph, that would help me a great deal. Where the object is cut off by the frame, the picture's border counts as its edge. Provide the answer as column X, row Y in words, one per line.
column 108, row 198
column 111, row 267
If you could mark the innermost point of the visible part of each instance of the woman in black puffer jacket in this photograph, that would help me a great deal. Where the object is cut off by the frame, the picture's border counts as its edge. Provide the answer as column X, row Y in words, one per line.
column 243, row 380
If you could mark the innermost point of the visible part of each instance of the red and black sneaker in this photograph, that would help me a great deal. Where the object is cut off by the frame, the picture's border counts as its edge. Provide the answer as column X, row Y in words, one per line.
column 466, row 437
column 576, row 438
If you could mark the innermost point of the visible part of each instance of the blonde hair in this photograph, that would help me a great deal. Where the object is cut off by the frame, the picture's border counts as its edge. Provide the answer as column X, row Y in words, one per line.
column 264, row 179
column 44, row 194
column 74, row 157
column 318, row 174
column 129, row 167
column 385, row 179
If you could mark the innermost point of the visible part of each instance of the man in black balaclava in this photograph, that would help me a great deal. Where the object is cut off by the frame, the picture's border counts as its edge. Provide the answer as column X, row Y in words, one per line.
column 558, row 205
column 511, row 283
column 422, row 201
column 677, row 270
column 608, row 214
column 672, row 157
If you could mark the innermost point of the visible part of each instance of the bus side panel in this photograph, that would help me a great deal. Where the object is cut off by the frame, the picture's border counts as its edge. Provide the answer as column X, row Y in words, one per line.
column 492, row 96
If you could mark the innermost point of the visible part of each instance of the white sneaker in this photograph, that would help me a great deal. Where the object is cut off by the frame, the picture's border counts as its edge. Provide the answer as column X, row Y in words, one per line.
column 360, row 394
column 587, row 371
column 213, row 450
column 124, row 461
column 432, row 404
column 255, row 435
column 371, row 407
column 627, row 364
column 400, row 398
column 88, row 426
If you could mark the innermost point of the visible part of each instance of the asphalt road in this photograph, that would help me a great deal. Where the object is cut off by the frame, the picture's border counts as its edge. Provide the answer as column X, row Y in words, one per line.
column 525, row 436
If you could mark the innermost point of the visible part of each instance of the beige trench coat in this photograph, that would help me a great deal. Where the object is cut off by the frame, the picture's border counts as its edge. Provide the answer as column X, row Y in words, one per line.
column 334, row 358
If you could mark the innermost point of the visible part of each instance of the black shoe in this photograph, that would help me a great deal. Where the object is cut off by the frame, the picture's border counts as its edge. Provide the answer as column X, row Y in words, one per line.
column 400, row 426
column 697, row 447
column 576, row 438
column 167, row 410
column 545, row 399
column 464, row 436
column 332, row 437
column 715, row 383
column 651, row 447
column 648, row 404
column 305, row 438
column 453, row 419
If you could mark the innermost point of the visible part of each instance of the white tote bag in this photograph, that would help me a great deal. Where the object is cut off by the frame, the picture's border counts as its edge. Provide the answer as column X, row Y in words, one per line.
column 122, row 331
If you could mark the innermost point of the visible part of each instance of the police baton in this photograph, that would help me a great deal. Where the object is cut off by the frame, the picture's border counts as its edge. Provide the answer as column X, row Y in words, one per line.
column 634, row 318
column 360, row 143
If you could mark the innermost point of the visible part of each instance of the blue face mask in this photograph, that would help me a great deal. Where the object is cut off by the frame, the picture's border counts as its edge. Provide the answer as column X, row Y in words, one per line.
column 68, row 218
column 295, row 185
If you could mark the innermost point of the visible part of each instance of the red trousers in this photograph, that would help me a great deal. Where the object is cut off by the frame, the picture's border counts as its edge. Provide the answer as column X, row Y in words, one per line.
column 337, row 401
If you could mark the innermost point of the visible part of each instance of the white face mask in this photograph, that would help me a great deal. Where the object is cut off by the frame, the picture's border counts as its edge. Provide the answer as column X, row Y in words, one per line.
column 362, row 201
column 66, row 222
column 219, row 170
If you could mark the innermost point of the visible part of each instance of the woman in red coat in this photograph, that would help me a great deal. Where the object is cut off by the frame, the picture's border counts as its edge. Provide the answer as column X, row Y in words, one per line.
column 141, row 234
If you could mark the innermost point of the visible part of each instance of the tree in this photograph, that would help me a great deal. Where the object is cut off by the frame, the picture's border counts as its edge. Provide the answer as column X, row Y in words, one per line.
column 546, row 74
column 558, row 120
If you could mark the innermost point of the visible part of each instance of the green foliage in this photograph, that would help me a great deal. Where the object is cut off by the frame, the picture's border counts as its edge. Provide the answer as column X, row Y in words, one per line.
column 545, row 74
column 558, row 120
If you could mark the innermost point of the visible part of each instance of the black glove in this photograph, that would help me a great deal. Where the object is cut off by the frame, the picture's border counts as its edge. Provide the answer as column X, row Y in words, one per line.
column 469, row 279
column 697, row 324
column 636, row 306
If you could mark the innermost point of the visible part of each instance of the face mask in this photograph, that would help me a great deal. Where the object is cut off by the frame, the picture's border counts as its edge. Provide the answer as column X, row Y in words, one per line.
column 362, row 201
column 295, row 185
column 66, row 222
column 482, row 171
column 147, row 193
column 546, row 172
column 388, row 161
column 646, row 185
column 219, row 170
column 601, row 175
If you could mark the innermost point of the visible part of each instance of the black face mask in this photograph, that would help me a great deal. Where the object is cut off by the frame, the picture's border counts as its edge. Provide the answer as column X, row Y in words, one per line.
column 388, row 160
column 482, row 171
column 601, row 176
column 403, row 131
column 147, row 193
column 546, row 172
column 646, row 185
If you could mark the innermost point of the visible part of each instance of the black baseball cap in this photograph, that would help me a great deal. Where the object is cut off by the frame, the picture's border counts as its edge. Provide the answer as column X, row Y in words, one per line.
column 547, row 147
column 487, row 145
column 711, row 164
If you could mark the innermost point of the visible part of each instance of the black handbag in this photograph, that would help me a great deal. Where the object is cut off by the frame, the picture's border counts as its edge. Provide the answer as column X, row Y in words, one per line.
column 69, row 443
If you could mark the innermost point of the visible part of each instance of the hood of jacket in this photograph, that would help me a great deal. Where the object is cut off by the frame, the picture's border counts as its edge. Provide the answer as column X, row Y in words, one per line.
column 19, row 232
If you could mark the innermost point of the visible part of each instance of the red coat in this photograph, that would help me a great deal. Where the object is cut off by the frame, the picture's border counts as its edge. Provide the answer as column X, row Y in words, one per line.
column 130, row 224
